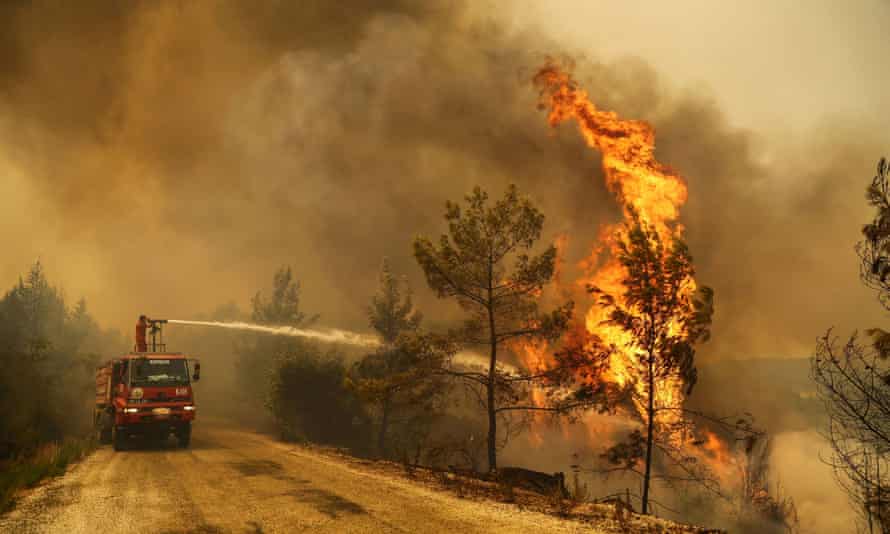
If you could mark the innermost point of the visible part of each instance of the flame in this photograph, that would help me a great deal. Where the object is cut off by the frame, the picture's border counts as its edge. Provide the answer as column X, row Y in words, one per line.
column 534, row 354
column 656, row 194
column 716, row 448
column 718, row 456
column 640, row 183
column 627, row 148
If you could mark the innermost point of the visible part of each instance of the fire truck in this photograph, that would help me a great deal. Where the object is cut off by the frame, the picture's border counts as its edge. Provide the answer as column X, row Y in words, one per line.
column 146, row 393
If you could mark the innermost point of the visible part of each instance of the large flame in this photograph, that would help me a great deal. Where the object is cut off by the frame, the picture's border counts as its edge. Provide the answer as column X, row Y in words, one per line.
column 655, row 193
column 640, row 183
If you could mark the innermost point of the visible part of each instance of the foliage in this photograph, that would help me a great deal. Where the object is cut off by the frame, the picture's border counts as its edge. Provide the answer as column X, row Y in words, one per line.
column 471, row 264
column 627, row 454
column 282, row 307
column 402, row 383
column 874, row 250
column 391, row 312
column 256, row 354
column 664, row 320
column 309, row 399
column 48, row 354
column 853, row 378
column 400, row 380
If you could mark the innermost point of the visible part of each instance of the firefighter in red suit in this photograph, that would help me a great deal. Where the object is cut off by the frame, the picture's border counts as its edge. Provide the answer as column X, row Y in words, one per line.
column 141, row 327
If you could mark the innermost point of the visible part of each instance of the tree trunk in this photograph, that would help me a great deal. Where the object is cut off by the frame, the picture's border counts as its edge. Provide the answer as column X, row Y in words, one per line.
column 384, row 423
column 492, row 367
column 650, row 412
column 492, row 414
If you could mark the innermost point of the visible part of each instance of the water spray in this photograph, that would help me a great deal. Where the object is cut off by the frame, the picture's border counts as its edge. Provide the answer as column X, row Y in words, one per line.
column 332, row 335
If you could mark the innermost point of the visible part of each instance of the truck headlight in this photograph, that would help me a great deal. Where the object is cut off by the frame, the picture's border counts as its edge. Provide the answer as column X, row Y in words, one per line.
column 190, row 408
column 131, row 410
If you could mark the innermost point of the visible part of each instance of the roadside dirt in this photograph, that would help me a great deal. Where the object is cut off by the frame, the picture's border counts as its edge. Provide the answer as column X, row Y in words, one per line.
column 236, row 481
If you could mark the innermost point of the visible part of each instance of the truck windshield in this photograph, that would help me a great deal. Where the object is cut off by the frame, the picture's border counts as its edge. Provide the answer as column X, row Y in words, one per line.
column 158, row 372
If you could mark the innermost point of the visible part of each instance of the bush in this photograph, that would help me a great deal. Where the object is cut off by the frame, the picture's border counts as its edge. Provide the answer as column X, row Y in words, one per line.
column 309, row 400
column 48, row 356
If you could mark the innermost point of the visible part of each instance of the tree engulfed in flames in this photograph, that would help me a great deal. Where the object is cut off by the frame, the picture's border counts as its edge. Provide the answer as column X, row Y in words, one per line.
column 650, row 194
column 641, row 184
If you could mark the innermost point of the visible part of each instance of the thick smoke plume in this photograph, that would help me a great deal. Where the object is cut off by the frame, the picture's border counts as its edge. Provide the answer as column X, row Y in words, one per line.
column 169, row 156
column 173, row 149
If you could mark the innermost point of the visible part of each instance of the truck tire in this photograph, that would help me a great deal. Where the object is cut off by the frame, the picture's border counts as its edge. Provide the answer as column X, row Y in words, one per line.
column 118, row 440
column 104, row 435
column 184, row 437
column 103, row 428
column 97, row 428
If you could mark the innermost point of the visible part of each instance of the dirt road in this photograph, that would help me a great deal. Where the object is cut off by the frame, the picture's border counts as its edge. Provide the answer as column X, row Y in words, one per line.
column 237, row 481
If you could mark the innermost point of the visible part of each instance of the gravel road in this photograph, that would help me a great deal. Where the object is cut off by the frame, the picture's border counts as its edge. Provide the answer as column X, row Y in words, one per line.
column 232, row 480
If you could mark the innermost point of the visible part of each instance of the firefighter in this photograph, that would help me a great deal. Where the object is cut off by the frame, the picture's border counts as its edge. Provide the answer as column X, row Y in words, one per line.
column 141, row 327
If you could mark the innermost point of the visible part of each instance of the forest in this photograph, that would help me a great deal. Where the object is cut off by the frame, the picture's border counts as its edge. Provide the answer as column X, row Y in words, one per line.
column 447, row 396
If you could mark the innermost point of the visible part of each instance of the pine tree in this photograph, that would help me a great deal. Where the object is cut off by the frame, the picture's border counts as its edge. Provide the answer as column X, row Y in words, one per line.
column 256, row 357
column 399, row 379
column 471, row 264
column 659, row 310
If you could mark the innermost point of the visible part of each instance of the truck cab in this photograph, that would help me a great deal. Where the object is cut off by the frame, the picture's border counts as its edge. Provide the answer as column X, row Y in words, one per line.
column 146, row 394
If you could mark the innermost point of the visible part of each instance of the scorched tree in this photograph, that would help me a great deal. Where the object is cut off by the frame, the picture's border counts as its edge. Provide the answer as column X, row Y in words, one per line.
column 663, row 317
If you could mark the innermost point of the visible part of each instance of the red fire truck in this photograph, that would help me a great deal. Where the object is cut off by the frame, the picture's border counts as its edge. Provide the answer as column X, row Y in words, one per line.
column 146, row 393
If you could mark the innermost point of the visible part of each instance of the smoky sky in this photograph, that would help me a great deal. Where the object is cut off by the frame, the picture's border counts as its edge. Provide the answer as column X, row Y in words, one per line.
column 166, row 157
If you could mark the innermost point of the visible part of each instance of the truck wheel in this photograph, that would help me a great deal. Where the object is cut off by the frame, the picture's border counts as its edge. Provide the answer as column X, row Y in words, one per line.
column 118, row 440
column 97, row 428
column 185, row 436
column 104, row 428
column 104, row 435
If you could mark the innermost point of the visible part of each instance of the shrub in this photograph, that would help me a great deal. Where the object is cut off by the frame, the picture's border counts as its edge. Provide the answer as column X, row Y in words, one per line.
column 309, row 400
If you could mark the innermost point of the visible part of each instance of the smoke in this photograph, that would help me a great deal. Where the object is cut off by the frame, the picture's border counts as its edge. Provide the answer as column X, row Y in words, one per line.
column 176, row 149
column 169, row 156
column 327, row 336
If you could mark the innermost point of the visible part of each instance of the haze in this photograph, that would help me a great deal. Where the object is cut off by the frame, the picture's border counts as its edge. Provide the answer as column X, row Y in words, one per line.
column 166, row 158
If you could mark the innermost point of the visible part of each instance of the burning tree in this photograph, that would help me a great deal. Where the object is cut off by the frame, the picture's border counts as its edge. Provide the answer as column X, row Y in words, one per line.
column 662, row 320
column 470, row 264
column 650, row 312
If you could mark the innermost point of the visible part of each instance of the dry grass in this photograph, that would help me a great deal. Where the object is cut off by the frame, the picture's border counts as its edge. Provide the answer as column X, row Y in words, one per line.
column 465, row 485
column 48, row 460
